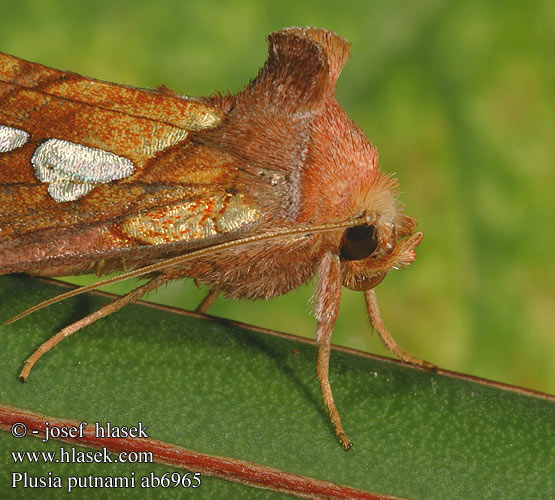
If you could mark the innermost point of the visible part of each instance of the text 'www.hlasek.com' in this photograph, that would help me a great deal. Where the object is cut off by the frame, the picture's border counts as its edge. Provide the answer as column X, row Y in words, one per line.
column 91, row 477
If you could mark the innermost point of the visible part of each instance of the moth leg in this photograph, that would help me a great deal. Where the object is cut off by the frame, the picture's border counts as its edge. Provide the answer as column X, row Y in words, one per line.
column 117, row 304
column 328, row 293
column 207, row 301
column 322, row 370
column 385, row 336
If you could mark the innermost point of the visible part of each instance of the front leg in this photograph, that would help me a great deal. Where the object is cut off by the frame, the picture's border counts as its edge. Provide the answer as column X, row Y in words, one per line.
column 385, row 336
column 328, row 295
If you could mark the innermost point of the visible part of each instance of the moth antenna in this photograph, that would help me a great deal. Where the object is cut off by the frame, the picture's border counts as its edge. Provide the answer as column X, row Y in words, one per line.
column 193, row 255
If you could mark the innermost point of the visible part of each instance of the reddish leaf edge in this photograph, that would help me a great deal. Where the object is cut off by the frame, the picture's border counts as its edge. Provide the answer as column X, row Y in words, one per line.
column 231, row 469
column 441, row 371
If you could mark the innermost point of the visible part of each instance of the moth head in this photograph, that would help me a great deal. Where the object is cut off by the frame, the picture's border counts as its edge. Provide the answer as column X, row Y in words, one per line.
column 387, row 241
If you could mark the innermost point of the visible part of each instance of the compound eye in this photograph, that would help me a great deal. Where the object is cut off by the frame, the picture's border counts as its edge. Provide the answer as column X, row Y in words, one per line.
column 358, row 242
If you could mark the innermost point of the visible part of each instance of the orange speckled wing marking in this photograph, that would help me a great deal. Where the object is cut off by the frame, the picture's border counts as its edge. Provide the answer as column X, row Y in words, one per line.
column 150, row 129
column 200, row 219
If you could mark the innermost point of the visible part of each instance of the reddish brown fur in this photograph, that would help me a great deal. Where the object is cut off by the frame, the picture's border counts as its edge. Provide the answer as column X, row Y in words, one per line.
column 283, row 144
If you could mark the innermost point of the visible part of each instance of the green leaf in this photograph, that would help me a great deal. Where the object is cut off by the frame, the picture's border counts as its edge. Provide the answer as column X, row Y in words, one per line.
column 217, row 388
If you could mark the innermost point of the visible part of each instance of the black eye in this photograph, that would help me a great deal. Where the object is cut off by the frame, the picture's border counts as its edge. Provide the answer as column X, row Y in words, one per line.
column 358, row 242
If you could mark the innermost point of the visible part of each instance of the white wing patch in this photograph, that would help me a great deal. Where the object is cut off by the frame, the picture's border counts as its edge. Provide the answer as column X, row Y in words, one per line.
column 12, row 138
column 72, row 170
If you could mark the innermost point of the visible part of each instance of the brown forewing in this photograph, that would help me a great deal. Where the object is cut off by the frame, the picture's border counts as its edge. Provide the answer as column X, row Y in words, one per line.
column 153, row 129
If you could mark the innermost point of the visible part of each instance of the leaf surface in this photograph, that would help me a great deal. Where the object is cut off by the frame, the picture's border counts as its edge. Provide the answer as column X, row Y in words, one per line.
column 214, row 387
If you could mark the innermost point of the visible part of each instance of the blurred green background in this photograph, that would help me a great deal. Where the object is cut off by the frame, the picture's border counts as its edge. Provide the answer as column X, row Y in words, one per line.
column 458, row 97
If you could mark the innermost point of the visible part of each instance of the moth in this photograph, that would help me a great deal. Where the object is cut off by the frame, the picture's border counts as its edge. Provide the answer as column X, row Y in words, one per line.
column 252, row 194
